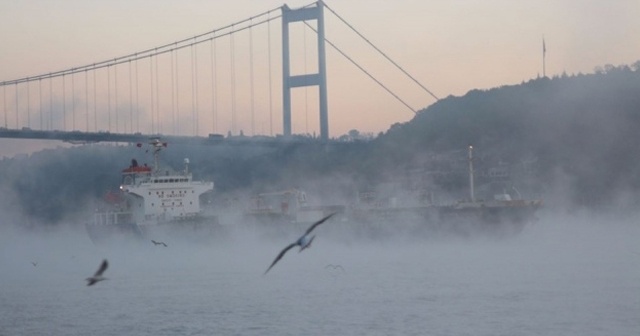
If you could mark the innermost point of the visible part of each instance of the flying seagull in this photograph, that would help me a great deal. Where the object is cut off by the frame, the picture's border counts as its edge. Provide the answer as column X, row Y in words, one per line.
column 98, row 275
column 158, row 243
column 304, row 241
column 334, row 267
column 34, row 263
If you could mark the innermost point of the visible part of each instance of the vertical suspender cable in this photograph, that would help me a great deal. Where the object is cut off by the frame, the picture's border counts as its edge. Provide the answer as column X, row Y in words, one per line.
column 173, row 96
column 177, row 95
column 109, row 97
column 28, row 106
column 50, row 127
column 153, row 126
column 158, row 119
column 95, row 100
column 233, row 81
column 137, row 99
column 130, row 101
column 269, row 66
column 64, row 105
column 195, row 90
column 40, row 96
column 17, row 116
column 306, row 88
column 253, row 130
column 115, row 88
column 4, row 101
column 214, row 86
column 86, row 100
column 73, row 102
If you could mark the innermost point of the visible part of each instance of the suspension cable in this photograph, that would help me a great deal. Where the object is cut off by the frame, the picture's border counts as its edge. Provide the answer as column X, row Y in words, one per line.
column 181, row 44
column 382, row 53
column 365, row 71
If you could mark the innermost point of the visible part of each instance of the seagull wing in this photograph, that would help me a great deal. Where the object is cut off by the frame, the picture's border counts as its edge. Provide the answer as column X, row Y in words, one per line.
column 102, row 268
column 313, row 226
column 280, row 255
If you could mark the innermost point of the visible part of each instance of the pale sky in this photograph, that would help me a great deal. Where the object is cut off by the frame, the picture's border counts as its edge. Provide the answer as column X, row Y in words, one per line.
column 450, row 46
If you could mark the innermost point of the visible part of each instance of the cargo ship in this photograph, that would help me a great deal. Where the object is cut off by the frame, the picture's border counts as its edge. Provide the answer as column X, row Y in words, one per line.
column 155, row 203
column 503, row 214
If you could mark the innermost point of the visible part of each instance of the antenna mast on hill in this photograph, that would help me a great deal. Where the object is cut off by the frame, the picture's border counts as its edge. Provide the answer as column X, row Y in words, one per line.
column 544, row 52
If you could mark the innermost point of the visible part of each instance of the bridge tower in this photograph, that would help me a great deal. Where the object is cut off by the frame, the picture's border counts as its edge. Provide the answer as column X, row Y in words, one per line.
column 319, row 79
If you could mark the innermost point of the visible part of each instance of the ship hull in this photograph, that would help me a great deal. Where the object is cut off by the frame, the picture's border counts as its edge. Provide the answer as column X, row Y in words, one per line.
column 197, row 230
column 465, row 220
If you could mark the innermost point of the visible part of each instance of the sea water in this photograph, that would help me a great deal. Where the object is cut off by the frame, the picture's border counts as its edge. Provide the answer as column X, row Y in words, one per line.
column 564, row 275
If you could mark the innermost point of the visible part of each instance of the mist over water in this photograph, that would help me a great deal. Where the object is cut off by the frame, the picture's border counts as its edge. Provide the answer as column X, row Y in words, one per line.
column 564, row 275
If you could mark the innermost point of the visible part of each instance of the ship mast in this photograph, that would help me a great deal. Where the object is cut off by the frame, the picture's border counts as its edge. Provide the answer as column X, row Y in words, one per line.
column 157, row 147
column 471, row 191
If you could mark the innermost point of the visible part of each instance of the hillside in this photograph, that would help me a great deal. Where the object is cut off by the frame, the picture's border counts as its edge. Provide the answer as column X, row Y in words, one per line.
column 582, row 131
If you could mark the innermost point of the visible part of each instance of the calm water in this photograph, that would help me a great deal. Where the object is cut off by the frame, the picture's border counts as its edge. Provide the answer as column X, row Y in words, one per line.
column 562, row 276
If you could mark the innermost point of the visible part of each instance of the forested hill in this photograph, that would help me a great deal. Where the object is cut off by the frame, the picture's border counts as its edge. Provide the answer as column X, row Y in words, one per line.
column 585, row 128
column 578, row 135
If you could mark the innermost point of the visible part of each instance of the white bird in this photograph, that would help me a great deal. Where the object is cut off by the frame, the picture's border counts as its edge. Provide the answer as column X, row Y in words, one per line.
column 304, row 241
column 98, row 275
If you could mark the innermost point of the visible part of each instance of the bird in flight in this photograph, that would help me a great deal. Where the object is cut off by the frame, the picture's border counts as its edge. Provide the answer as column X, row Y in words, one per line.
column 158, row 243
column 98, row 275
column 334, row 267
column 304, row 242
column 34, row 263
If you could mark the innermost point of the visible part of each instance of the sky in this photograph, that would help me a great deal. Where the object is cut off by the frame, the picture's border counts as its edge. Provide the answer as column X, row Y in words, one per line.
column 450, row 47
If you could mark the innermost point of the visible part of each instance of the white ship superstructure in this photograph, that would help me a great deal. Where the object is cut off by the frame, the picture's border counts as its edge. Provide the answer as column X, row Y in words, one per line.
column 157, row 198
column 154, row 197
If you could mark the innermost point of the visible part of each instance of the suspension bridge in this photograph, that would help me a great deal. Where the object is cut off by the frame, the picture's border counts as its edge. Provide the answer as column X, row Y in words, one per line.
column 228, row 83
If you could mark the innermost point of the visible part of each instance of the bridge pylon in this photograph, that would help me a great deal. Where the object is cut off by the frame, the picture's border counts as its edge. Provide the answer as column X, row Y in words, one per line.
column 319, row 79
